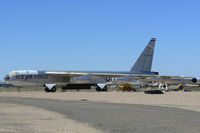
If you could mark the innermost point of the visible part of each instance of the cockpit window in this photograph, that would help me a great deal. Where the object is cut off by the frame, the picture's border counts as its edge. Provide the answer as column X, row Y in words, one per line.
column 7, row 77
column 12, row 73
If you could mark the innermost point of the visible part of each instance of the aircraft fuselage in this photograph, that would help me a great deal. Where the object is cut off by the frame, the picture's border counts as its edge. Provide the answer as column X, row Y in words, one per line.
column 60, row 78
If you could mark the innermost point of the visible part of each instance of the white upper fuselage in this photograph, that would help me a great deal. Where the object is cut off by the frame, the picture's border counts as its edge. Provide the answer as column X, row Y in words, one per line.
column 26, row 78
column 61, row 78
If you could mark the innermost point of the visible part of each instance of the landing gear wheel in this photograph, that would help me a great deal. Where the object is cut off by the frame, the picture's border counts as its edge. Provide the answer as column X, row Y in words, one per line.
column 53, row 89
column 47, row 89
column 105, row 88
column 98, row 89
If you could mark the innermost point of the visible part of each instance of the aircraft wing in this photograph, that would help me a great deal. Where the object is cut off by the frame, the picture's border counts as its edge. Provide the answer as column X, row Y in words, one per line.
column 103, row 77
column 64, row 73
column 160, row 78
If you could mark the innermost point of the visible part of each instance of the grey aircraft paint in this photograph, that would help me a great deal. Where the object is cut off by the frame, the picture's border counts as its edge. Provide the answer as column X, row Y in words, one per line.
column 52, row 79
column 38, row 78
column 144, row 62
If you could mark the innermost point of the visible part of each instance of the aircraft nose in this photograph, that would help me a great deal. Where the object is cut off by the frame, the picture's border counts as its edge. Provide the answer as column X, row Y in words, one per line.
column 7, row 77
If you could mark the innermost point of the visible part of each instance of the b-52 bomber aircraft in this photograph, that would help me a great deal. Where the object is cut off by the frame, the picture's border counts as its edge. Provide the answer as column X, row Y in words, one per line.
column 141, row 70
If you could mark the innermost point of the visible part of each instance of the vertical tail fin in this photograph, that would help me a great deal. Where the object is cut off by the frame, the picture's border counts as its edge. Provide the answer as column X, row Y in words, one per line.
column 144, row 62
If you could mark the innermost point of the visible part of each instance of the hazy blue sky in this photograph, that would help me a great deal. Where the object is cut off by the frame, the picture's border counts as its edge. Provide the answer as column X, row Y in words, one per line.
column 99, row 34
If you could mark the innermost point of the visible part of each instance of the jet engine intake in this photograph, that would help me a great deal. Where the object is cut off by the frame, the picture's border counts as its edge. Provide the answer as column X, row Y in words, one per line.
column 194, row 80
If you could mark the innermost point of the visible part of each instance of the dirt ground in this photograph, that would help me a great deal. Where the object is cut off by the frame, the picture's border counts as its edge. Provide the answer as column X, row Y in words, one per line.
column 22, row 119
column 26, row 119
column 183, row 100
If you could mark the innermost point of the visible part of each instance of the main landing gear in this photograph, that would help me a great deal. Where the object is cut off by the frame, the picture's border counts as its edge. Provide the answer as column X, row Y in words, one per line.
column 99, row 89
column 50, row 88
